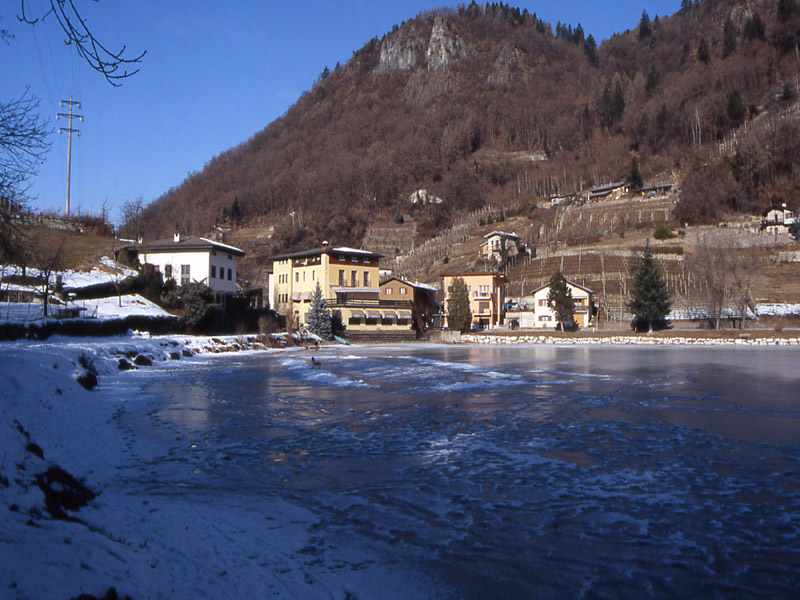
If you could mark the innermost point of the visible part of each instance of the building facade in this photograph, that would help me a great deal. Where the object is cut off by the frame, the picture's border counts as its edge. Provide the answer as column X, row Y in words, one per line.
column 486, row 296
column 420, row 297
column 500, row 245
column 194, row 260
column 533, row 311
column 349, row 280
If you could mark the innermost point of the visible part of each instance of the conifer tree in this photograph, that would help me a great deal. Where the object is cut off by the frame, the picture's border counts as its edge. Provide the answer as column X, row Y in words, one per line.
column 650, row 301
column 636, row 175
column 319, row 317
column 459, row 314
column 644, row 26
column 728, row 38
column 560, row 300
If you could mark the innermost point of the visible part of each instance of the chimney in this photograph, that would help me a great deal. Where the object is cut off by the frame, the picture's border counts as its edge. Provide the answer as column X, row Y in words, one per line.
column 176, row 238
column 325, row 245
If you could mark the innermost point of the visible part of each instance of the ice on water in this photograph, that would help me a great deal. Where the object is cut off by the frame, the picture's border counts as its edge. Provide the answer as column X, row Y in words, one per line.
column 507, row 472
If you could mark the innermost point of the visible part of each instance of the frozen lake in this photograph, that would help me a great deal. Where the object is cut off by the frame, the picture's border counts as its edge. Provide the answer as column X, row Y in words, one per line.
column 528, row 471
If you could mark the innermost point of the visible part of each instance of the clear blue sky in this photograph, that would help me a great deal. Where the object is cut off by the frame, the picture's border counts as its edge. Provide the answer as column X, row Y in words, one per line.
column 215, row 73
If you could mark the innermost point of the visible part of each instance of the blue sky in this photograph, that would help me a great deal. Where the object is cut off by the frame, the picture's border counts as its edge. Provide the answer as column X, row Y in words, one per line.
column 214, row 74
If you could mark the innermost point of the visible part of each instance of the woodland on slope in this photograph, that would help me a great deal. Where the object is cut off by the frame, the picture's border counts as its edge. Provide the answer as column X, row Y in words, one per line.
column 458, row 101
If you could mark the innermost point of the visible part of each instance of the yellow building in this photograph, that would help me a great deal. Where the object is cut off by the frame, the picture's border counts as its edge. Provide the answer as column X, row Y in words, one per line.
column 349, row 282
column 486, row 296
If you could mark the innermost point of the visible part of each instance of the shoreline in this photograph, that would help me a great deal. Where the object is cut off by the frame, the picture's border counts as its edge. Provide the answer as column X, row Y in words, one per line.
column 709, row 338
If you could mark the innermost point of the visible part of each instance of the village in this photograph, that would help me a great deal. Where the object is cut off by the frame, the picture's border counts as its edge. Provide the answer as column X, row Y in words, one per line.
column 381, row 293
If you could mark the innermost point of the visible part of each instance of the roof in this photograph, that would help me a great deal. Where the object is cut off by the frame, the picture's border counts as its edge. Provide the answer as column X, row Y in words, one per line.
column 572, row 283
column 502, row 234
column 321, row 251
column 608, row 187
column 187, row 244
column 476, row 274
column 421, row 286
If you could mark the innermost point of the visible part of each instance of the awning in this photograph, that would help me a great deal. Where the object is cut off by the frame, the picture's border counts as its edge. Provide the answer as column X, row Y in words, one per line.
column 404, row 314
column 296, row 296
column 389, row 314
column 356, row 313
column 374, row 314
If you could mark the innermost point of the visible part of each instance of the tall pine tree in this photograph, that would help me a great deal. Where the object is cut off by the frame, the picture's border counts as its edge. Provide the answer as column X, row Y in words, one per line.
column 319, row 317
column 560, row 300
column 650, row 301
column 459, row 314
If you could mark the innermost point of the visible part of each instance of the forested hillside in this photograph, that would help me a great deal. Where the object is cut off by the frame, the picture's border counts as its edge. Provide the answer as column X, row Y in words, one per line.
column 486, row 104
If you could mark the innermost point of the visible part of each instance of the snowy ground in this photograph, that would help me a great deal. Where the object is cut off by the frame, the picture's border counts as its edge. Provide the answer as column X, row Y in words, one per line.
column 147, row 545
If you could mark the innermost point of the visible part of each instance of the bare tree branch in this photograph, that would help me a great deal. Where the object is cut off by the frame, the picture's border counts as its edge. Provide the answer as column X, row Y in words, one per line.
column 113, row 65
column 23, row 144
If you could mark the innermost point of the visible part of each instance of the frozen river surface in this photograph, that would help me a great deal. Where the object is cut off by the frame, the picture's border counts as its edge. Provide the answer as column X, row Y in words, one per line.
column 529, row 471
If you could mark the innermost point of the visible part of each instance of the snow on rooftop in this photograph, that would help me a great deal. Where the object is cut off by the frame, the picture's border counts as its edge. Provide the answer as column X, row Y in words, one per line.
column 350, row 250
column 221, row 245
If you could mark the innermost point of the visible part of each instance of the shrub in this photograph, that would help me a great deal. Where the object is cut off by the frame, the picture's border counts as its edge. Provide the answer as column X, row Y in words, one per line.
column 662, row 231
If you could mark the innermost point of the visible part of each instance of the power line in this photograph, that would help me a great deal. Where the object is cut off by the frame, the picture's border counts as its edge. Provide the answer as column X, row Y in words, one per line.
column 69, row 116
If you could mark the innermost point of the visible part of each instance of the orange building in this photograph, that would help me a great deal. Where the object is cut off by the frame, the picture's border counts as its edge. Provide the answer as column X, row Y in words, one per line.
column 486, row 295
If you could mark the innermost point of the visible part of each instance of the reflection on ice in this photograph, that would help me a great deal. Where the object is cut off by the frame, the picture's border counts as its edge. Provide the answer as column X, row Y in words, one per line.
column 516, row 472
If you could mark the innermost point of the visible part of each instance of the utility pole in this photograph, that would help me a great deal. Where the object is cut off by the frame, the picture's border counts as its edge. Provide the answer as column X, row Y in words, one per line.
column 69, row 131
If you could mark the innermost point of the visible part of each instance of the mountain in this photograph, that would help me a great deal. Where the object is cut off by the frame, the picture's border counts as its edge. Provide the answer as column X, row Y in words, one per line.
column 487, row 105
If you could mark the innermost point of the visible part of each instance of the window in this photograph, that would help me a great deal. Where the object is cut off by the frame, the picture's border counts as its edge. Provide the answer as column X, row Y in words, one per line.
column 341, row 277
column 542, row 301
column 297, row 276
column 354, row 278
column 230, row 275
column 213, row 253
column 366, row 261
column 185, row 275
column 313, row 275
column 304, row 275
column 387, row 291
column 167, row 271
column 213, row 271
column 354, row 259
column 483, row 307
column 366, row 278
column 544, row 317
column 402, row 291
column 484, row 289
column 230, row 257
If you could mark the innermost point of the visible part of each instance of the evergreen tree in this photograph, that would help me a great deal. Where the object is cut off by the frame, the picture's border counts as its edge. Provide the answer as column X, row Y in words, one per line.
column 560, row 300
column 650, row 302
column 197, row 300
column 736, row 109
column 636, row 175
column 459, row 314
column 794, row 231
column 319, row 317
column 703, row 53
column 644, row 26
column 754, row 28
column 590, row 47
column 728, row 38
column 785, row 10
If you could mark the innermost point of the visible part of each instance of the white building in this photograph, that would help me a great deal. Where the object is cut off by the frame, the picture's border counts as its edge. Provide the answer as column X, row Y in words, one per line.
column 194, row 259
column 532, row 310
column 499, row 245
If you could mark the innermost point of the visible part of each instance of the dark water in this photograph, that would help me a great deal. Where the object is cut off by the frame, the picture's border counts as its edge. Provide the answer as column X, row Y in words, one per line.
column 515, row 472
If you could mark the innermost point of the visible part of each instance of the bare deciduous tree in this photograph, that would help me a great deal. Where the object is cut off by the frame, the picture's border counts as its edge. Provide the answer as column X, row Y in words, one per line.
column 132, row 221
column 727, row 268
column 23, row 143
column 113, row 65
column 47, row 256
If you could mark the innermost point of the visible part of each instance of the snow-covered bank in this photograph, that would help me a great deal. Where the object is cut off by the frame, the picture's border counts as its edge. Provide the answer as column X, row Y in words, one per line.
column 145, row 545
